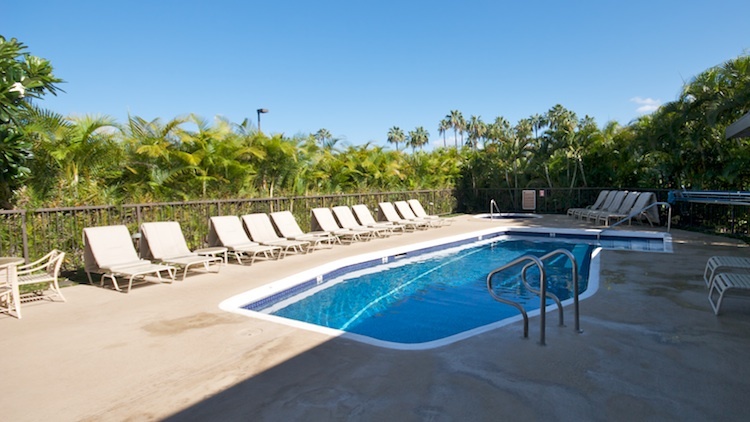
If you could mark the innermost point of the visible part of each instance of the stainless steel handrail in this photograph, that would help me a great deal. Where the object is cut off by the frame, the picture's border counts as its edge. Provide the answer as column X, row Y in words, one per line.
column 542, row 293
column 507, row 301
column 574, row 276
column 492, row 202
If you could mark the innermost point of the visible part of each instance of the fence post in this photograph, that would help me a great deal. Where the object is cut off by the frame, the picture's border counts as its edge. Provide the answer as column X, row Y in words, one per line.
column 25, row 237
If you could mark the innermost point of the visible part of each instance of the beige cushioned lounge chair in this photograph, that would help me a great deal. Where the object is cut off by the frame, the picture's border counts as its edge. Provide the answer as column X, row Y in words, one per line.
column 227, row 231
column 164, row 242
column 109, row 251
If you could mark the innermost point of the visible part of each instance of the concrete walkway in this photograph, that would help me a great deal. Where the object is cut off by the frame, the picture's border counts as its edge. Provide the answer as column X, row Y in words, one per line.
column 652, row 349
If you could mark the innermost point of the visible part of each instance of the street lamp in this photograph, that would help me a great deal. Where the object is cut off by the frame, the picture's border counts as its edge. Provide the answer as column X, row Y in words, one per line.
column 261, row 110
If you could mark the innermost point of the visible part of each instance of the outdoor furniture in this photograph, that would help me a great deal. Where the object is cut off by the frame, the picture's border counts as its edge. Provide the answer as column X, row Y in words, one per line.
column 109, row 251
column 227, row 231
column 575, row 212
column 719, row 264
column 346, row 220
column 643, row 200
column 288, row 227
column 580, row 212
column 611, row 204
column 164, row 242
column 622, row 211
column 419, row 211
column 9, row 297
column 406, row 213
column 724, row 283
column 365, row 218
column 261, row 230
column 325, row 220
column 42, row 273
column 389, row 213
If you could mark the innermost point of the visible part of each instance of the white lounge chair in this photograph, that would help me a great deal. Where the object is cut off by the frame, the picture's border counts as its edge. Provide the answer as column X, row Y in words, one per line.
column 595, row 206
column 419, row 211
column 635, row 210
column 622, row 211
column 227, row 231
column 723, row 283
column 389, row 213
column 261, row 230
column 407, row 213
column 581, row 212
column 611, row 205
column 324, row 219
column 365, row 218
column 109, row 251
column 42, row 273
column 164, row 242
column 346, row 220
column 288, row 227
column 723, row 264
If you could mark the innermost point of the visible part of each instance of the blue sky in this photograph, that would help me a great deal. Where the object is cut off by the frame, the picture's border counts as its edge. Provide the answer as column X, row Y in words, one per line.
column 357, row 68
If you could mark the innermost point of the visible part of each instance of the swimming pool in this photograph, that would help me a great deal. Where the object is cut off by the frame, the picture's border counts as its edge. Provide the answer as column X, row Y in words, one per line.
column 437, row 294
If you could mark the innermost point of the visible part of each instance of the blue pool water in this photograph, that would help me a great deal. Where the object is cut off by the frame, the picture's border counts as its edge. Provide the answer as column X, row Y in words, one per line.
column 434, row 293
column 437, row 295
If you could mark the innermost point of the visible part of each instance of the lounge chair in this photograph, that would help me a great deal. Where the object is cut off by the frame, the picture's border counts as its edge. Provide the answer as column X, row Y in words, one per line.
column 722, row 264
column 389, row 213
column 164, row 242
column 611, row 205
column 109, row 251
column 407, row 213
column 42, row 273
column 724, row 283
column 419, row 211
column 288, row 227
column 323, row 218
column 581, row 212
column 227, row 231
column 346, row 220
column 575, row 212
column 634, row 211
column 625, row 208
column 262, row 231
column 365, row 218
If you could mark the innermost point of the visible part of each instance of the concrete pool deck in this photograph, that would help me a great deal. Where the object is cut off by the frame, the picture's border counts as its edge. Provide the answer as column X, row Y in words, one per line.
column 651, row 349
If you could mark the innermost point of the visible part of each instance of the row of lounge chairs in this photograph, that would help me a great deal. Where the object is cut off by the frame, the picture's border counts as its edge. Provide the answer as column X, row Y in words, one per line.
column 109, row 250
column 613, row 206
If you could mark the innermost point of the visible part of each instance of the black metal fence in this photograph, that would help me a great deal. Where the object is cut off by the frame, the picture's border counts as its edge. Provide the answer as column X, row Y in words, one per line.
column 32, row 233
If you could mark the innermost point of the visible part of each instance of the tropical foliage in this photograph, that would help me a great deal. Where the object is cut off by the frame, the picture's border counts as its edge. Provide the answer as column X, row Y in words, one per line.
column 51, row 160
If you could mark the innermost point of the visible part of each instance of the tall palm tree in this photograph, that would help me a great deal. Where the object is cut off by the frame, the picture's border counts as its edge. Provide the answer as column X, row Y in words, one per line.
column 458, row 124
column 443, row 127
column 477, row 130
column 396, row 135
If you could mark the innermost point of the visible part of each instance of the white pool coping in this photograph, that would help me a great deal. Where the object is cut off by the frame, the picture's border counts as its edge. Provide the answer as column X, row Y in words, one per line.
column 235, row 304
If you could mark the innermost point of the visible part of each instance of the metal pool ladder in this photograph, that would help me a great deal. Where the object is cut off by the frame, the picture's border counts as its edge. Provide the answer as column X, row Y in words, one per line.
column 531, row 261
column 493, row 204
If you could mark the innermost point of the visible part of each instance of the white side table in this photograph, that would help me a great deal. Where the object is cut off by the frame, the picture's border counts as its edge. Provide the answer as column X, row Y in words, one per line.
column 215, row 251
column 9, row 265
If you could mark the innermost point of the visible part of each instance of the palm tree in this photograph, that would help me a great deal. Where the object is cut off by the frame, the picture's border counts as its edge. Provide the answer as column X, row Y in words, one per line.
column 418, row 137
column 458, row 123
column 477, row 130
column 443, row 127
column 396, row 135
column 322, row 136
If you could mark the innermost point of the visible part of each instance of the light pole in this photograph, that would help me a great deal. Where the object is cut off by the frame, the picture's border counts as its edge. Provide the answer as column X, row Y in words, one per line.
column 261, row 110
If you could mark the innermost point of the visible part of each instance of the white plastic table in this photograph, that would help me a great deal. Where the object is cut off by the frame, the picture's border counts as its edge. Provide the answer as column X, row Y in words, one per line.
column 9, row 264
